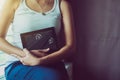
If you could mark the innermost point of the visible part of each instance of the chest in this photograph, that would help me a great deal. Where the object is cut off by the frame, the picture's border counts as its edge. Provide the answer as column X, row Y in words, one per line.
column 40, row 5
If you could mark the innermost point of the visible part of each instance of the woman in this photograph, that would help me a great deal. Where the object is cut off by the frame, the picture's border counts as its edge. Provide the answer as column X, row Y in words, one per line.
column 30, row 15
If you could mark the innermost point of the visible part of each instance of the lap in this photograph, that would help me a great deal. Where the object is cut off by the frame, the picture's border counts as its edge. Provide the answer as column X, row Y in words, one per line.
column 17, row 71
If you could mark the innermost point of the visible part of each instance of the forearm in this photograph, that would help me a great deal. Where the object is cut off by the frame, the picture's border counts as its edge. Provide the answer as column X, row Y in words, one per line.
column 10, row 49
column 63, row 53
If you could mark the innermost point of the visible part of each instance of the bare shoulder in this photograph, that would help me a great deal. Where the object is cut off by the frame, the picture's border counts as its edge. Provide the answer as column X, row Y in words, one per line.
column 65, row 5
column 12, row 3
column 65, row 2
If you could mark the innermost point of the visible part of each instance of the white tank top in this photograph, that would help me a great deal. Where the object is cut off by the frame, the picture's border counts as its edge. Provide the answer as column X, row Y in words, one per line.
column 26, row 20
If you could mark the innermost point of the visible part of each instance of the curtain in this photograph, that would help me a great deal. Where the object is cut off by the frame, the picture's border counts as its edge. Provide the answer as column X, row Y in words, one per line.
column 97, row 24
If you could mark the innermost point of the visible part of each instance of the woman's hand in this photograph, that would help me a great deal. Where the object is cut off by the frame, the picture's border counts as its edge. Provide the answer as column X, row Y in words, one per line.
column 30, row 59
column 39, row 52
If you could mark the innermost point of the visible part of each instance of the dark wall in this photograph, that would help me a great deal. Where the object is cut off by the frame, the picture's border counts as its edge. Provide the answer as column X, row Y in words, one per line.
column 97, row 24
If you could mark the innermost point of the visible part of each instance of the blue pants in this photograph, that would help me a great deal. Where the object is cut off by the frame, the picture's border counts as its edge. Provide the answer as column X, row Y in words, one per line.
column 17, row 71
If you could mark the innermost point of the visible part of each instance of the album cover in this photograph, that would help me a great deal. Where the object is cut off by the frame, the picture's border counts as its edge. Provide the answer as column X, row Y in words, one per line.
column 40, row 39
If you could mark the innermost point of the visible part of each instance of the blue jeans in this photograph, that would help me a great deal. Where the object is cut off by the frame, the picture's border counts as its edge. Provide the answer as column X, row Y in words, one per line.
column 17, row 71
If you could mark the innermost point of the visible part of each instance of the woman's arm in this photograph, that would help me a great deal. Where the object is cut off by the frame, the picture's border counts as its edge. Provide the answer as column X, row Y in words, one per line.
column 6, row 17
column 70, row 41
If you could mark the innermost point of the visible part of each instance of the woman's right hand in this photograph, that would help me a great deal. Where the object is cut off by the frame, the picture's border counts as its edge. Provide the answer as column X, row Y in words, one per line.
column 30, row 59
column 37, row 53
column 33, row 57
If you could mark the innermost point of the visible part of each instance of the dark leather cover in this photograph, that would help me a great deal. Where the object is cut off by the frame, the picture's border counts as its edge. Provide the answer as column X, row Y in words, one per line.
column 40, row 39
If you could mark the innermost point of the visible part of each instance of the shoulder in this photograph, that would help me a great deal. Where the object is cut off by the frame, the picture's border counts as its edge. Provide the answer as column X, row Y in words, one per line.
column 65, row 5
column 66, row 2
column 12, row 3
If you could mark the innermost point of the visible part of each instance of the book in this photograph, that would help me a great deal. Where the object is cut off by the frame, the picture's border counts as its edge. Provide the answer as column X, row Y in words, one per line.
column 40, row 39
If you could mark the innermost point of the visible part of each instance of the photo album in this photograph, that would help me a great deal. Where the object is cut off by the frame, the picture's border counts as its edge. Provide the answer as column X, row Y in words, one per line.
column 40, row 39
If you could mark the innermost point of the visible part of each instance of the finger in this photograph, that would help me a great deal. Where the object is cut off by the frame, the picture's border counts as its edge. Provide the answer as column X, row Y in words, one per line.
column 16, row 56
column 26, row 51
column 44, row 50
column 34, row 51
column 22, row 61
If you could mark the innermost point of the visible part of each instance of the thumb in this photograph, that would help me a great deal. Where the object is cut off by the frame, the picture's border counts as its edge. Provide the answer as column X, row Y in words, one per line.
column 44, row 50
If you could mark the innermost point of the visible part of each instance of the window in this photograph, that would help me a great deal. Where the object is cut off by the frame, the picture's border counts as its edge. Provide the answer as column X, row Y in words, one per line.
column 1, row 4
column 3, row 57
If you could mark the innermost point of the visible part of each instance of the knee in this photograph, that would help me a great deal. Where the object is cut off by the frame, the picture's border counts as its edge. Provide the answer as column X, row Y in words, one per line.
column 42, row 73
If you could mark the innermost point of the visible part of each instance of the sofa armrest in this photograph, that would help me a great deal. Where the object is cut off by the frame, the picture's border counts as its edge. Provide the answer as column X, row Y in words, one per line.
column 68, row 66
